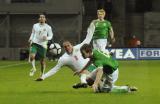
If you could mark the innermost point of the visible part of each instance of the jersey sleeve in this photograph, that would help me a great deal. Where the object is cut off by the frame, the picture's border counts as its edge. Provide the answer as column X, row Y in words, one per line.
column 54, row 69
column 50, row 33
column 32, row 34
column 90, row 32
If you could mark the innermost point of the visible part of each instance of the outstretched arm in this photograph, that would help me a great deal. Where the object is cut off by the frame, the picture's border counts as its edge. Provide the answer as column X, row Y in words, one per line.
column 90, row 32
column 53, row 70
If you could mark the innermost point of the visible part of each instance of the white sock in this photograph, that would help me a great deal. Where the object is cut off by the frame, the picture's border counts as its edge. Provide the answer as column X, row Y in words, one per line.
column 83, row 78
column 33, row 64
column 44, row 68
column 120, row 89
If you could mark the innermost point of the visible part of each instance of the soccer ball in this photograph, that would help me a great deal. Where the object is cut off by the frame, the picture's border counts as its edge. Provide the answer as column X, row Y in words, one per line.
column 55, row 49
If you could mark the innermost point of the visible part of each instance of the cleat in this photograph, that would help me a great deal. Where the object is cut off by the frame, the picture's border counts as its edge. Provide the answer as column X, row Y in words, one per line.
column 39, row 79
column 133, row 88
column 80, row 85
column 31, row 73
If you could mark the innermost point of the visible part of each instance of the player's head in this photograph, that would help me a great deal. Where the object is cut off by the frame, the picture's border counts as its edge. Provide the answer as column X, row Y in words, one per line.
column 101, row 13
column 68, row 46
column 42, row 18
column 86, row 51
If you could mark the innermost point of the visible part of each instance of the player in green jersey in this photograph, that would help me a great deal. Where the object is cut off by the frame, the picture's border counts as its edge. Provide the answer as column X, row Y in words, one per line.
column 107, row 70
column 103, row 30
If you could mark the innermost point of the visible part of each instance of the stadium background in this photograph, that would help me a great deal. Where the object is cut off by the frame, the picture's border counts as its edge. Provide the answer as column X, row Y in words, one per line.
column 69, row 20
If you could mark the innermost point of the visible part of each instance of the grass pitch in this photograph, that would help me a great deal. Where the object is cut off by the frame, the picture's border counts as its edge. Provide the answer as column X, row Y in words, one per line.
column 16, row 87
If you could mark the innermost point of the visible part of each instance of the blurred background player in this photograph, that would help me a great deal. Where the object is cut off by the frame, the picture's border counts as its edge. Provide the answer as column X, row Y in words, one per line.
column 72, row 58
column 134, row 42
column 38, row 40
column 107, row 70
column 103, row 30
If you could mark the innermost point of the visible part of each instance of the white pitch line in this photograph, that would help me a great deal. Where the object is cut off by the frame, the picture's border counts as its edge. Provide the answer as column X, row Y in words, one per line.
column 12, row 65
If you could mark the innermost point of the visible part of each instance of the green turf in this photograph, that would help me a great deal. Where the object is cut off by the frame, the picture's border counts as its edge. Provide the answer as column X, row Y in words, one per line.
column 16, row 87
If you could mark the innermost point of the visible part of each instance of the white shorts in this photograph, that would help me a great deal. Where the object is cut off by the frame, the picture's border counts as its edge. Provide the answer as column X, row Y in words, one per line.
column 100, row 44
column 108, row 79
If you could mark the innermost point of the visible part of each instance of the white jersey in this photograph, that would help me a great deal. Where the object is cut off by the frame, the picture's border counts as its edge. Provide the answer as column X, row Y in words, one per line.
column 38, row 32
column 75, row 60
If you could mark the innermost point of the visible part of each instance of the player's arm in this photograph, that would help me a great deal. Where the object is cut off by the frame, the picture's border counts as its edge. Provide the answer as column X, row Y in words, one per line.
column 90, row 32
column 98, row 78
column 54, row 69
column 111, row 32
column 31, row 36
column 50, row 34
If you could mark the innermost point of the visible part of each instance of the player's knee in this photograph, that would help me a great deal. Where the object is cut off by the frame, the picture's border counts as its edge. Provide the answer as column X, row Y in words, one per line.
column 42, row 61
column 32, row 58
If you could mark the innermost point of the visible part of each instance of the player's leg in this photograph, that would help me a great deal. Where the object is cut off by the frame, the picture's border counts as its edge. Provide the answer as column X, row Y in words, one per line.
column 109, row 81
column 33, row 51
column 89, row 79
column 42, row 55
column 43, row 66
column 83, row 83
column 109, row 84
column 121, row 89
column 83, row 77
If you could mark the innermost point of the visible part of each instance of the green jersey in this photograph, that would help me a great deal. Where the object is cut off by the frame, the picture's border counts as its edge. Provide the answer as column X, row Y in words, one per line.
column 101, row 59
column 102, row 29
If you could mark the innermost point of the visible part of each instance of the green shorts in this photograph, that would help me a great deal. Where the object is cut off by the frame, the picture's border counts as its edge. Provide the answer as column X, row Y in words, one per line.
column 39, row 50
column 91, row 67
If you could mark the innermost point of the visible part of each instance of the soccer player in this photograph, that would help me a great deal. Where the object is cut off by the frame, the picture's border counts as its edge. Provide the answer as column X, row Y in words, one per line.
column 72, row 58
column 41, row 34
column 103, row 30
column 107, row 70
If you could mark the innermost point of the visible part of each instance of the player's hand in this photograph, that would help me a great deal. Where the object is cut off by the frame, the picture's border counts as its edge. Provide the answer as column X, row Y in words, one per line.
column 95, row 87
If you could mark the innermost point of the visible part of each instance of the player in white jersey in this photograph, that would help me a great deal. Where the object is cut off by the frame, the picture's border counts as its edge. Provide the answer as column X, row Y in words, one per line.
column 38, row 40
column 72, row 58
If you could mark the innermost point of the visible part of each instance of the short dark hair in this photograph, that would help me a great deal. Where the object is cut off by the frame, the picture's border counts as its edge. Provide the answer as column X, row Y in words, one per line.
column 86, row 47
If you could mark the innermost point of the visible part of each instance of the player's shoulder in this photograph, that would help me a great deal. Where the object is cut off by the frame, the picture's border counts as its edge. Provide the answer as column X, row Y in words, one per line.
column 62, row 57
column 94, row 21
column 77, row 47
column 65, row 55
column 48, row 26
column 107, row 21
column 95, row 51
column 36, row 24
